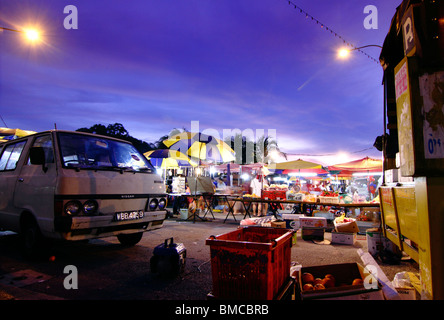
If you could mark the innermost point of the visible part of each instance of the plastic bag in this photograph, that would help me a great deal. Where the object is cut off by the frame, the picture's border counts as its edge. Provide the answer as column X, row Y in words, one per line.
column 407, row 280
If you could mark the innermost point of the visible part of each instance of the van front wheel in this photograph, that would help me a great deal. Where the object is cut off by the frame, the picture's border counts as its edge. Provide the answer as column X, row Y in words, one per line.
column 33, row 243
column 130, row 239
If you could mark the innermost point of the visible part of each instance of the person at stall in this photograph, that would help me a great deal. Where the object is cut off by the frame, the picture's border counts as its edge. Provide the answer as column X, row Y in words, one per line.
column 179, row 200
column 221, row 184
column 372, row 188
column 257, row 185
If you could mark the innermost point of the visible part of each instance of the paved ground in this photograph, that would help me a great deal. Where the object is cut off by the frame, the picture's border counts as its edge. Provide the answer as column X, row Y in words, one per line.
column 102, row 259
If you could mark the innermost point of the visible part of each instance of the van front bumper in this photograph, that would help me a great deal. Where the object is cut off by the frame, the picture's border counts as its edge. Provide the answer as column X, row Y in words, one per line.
column 82, row 227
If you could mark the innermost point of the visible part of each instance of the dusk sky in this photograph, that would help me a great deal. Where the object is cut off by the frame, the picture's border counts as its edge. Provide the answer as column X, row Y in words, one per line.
column 155, row 65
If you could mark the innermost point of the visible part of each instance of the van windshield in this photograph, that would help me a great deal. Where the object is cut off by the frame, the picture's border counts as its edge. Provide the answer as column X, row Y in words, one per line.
column 89, row 152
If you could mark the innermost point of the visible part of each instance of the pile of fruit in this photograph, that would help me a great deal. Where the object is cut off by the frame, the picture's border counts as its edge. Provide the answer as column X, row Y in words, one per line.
column 343, row 219
column 310, row 283
column 278, row 187
column 329, row 194
column 251, row 195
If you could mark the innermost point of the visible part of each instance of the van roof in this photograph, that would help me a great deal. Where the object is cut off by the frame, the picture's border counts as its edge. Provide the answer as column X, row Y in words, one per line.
column 67, row 131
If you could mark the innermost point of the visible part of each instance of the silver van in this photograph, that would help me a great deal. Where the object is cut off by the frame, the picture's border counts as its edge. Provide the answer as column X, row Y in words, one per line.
column 75, row 186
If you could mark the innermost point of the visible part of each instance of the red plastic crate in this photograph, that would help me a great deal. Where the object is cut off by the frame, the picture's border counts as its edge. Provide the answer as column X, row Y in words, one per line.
column 274, row 195
column 250, row 263
column 268, row 195
column 280, row 195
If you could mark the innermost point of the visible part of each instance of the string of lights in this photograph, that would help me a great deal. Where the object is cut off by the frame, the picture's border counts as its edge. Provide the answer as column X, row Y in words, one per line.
column 308, row 16
column 324, row 154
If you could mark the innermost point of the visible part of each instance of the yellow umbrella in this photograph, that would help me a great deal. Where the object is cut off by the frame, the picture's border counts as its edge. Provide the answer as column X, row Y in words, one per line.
column 201, row 147
column 166, row 158
column 9, row 134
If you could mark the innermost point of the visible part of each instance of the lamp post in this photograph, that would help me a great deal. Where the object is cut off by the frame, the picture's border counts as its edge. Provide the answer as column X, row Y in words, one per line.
column 32, row 35
column 345, row 52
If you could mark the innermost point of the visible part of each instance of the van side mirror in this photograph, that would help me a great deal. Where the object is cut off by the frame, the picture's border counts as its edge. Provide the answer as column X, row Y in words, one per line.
column 37, row 157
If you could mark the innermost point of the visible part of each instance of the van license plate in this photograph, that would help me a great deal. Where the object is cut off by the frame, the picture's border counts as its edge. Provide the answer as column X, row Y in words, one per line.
column 129, row 215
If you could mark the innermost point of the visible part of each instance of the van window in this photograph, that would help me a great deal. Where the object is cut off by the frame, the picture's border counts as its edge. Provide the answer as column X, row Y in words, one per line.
column 88, row 152
column 46, row 143
column 11, row 156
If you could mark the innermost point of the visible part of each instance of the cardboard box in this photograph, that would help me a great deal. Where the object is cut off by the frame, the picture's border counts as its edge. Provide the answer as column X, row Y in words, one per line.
column 292, row 220
column 313, row 222
column 406, row 293
column 326, row 214
column 376, row 242
column 343, row 238
column 278, row 224
column 344, row 275
column 308, row 233
column 349, row 227
column 406, row 284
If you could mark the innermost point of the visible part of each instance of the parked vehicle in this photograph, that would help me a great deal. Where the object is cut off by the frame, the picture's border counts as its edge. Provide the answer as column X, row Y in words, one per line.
column 74, row 186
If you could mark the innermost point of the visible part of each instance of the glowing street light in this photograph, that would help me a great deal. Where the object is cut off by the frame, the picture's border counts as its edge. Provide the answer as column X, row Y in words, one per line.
column 32, row 35
column 344, row 53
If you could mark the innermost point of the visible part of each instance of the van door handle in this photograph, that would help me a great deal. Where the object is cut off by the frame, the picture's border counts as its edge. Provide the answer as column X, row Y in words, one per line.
column 21, row 180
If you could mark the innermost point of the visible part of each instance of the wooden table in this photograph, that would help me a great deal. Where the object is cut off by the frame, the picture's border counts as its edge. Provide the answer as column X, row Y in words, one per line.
column 208, row 208
column 275, row 205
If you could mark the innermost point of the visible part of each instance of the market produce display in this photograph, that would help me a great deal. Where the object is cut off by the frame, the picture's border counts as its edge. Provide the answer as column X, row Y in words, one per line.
column 310, row 283
column 329, row 194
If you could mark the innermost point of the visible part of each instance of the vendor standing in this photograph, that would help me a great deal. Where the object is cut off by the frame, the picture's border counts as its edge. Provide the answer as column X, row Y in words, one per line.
column 258, row 184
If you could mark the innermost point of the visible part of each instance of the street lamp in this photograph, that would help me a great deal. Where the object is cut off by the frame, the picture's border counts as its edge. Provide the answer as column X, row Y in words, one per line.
column 345, row 52
column 32, row 35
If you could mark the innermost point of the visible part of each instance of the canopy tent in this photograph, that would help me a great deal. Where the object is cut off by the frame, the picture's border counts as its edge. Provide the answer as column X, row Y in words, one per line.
column 361, row 165
column 199, row 146
column 7, row 134
column 302, row 172
column 234, row 167
column 222, row 168
column 294, row 165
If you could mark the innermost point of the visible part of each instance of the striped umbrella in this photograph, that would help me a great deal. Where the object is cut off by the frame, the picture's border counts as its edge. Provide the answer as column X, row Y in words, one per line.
column 201, row 146
column 166, row 158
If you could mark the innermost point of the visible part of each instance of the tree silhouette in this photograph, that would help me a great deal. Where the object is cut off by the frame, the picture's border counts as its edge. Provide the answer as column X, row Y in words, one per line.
column 117, row 130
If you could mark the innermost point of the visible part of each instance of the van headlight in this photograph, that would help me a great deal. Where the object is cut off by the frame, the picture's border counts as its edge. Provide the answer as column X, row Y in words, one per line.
column 90, row 207
column 73, row 208
column 153, row 204
column 162, row 203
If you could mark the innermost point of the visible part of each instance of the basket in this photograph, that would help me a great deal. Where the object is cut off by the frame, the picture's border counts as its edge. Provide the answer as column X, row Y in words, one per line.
column 328, row 200
column 250, row 263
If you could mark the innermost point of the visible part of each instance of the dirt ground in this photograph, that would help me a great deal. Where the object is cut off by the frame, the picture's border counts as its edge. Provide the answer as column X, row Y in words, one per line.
column 305, row 253
column 109, row 271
